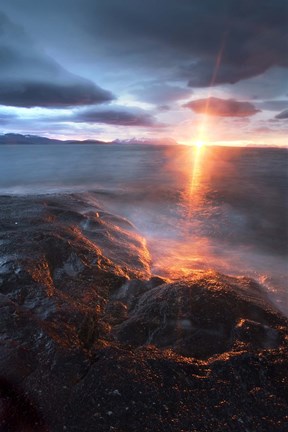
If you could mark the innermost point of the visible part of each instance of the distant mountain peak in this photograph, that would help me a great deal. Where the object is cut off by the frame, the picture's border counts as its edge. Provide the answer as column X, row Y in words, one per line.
column 146, row 141
column 15, row 138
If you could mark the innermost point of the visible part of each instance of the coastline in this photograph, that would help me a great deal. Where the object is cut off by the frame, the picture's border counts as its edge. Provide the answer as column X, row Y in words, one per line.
column 91, row 340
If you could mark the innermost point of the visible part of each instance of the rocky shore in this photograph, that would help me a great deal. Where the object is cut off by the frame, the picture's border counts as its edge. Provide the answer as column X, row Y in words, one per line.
column 92, row 341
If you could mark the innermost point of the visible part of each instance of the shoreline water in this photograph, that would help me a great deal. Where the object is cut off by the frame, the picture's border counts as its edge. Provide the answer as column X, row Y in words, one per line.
column 231, row 217
column 174, row 259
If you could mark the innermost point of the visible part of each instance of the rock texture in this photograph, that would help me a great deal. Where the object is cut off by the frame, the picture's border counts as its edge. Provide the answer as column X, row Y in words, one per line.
column 91, row 341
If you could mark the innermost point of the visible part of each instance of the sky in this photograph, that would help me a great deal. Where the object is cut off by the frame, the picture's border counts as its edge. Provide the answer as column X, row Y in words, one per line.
column 190, row 70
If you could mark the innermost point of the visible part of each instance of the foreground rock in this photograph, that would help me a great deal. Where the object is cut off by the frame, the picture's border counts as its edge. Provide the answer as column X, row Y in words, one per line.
column 91, row 342
column 203, row 315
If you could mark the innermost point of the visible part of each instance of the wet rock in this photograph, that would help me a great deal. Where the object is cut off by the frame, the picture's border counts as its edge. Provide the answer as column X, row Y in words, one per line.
column 256, row 334
column 203, row 315
column 91, row 342
column 116, row 312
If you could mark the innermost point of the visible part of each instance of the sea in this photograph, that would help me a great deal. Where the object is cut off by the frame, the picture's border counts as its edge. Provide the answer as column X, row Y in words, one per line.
column 222, row 209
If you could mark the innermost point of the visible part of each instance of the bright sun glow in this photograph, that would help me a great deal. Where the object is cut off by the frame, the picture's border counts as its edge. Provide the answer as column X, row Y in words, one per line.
column 199, row 144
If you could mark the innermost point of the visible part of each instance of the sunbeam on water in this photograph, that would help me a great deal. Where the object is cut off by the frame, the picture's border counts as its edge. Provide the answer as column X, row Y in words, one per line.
column 194, row 178
column 198, row 207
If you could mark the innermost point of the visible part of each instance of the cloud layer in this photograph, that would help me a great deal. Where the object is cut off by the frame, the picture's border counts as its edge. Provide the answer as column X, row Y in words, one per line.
column 228, row 57
column 121, row 116
column 247, row 37
column 222, row 107
column 30, row 78
column 48, row 94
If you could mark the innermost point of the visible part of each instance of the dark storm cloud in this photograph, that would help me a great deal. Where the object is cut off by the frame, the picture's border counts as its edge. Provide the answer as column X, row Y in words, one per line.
column 121, row 116
column 248, row 36
column 206, row 73
column 222, row 107
column 283, row 115
column 184, row 35
column 29, row 78
column 47, row 94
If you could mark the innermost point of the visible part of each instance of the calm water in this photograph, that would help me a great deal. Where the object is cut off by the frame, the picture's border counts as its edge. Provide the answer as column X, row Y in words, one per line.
column 215, row 208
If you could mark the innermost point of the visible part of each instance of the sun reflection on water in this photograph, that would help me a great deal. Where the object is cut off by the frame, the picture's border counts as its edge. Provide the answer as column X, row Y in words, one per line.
column 197, row 171
column 186, row 250
column 195, row 192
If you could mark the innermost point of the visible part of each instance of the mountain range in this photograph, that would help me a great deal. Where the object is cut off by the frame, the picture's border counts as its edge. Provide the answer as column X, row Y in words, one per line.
column 12, row 138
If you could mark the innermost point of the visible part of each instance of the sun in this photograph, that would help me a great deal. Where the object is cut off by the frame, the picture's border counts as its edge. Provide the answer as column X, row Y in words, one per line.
column 199, row 144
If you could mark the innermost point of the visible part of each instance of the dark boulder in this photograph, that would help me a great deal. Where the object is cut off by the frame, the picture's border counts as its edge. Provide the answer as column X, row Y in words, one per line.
column 205, row 314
